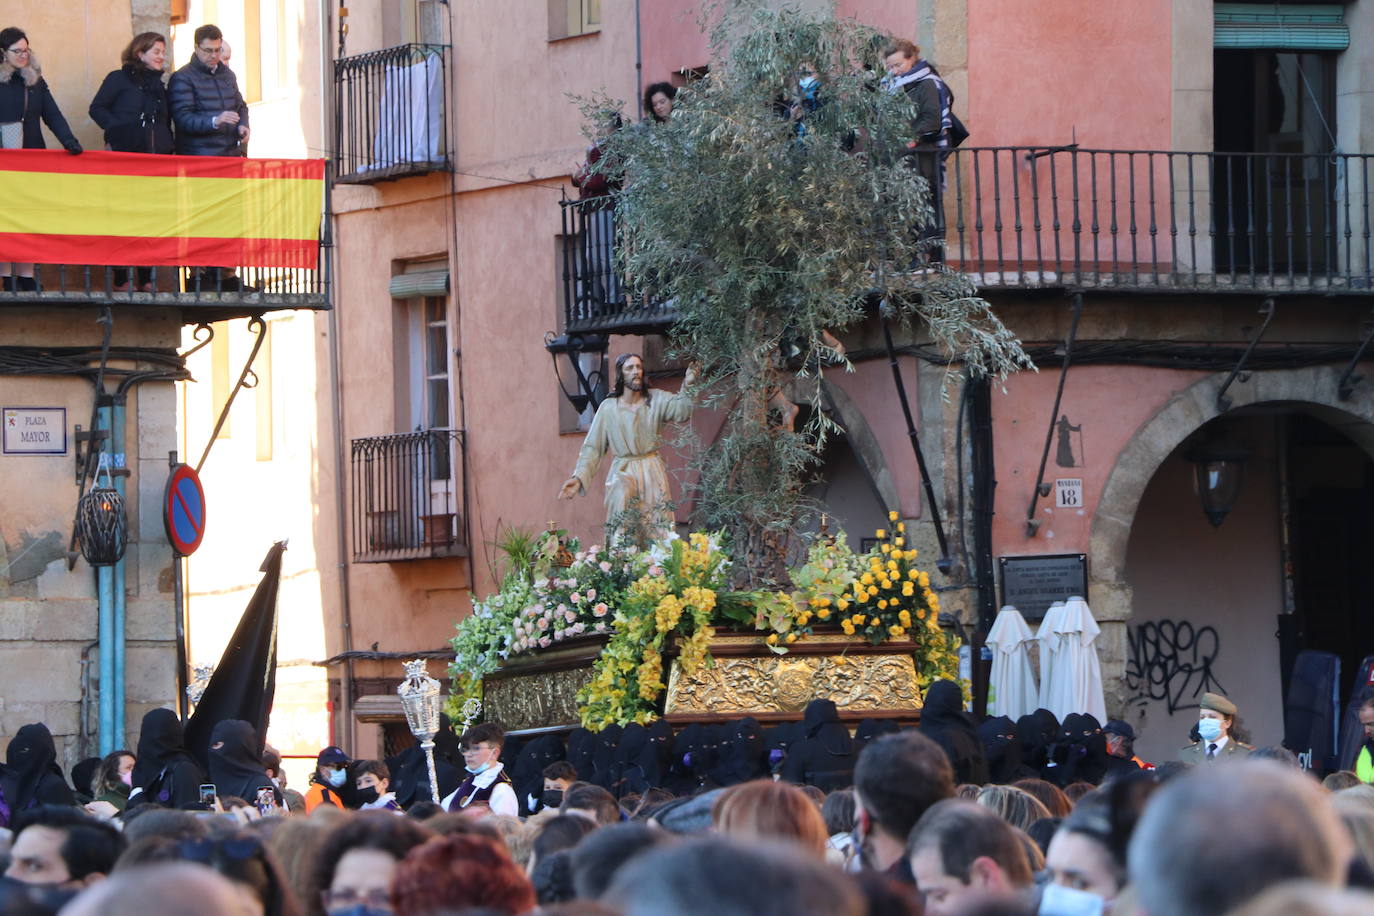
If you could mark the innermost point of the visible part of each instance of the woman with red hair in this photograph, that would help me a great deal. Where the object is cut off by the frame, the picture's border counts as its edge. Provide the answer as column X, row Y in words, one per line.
column 457, row 872
column 767, row 810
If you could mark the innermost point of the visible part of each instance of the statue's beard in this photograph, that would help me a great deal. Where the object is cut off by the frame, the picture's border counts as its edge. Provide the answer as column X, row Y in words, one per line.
column 635, row 384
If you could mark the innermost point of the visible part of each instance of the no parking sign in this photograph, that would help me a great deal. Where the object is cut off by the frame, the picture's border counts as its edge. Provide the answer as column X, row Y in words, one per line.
column 184, row 510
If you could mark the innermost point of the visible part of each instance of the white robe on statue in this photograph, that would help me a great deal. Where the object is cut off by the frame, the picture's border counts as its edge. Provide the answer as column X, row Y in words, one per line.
column 1077, row 673
column 1013, row 692
column 632, row 435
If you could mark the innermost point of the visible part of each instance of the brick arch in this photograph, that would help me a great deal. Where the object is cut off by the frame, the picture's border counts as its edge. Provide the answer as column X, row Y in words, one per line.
column 1311, row 390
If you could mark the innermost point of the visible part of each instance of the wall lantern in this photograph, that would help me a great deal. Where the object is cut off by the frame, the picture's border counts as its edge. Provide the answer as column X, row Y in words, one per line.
column 587, row 387
column 102, row 526
column 1218, row 469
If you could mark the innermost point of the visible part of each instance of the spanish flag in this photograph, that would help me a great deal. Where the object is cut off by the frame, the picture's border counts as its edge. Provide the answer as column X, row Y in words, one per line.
column 105, row 208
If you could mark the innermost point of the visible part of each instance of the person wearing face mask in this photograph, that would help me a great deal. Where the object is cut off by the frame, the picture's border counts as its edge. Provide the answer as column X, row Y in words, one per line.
column 557, row 777
column 114, row 779
column 487, row 789
column 1216, row 723
column 331, row 773
column 374, row 787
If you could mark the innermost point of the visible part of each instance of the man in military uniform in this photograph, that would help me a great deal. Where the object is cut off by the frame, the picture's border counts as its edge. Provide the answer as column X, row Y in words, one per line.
column 1216, row 718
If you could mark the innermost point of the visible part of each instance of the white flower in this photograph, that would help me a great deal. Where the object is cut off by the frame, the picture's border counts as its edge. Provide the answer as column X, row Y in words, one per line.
column 605, row 566
column 601, row 627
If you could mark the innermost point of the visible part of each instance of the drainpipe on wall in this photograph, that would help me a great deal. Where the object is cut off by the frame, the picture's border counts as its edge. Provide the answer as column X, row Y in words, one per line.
column 118, row 469
column 104, row 584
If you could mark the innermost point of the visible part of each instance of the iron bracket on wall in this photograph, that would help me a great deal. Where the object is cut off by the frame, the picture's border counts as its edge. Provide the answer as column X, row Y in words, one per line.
column 208, row 330
column 1345, row 386
column 1223, row 402
column 1041, row 487
column 944, row 564
column 247, row 379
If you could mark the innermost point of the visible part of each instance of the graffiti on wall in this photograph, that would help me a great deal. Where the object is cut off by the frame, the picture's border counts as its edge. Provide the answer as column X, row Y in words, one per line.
column 1170, row 661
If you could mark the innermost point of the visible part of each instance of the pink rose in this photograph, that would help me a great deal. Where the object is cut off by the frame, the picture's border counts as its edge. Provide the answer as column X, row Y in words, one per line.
column 591, row 594
column 601, row 628
column 545, row 642
column 575, row 598
column 562, row 608
column 542, row 623
column 605, row 566
column 558, row 636
column 600, row 610
column 655, row 570
column 569, row 616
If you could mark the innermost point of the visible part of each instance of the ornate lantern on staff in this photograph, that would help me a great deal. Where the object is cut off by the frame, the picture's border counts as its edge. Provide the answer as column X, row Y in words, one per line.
column 420, row 696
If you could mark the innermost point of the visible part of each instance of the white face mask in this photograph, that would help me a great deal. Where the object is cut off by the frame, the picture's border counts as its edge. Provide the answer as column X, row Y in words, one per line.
column 1209, row 729
column 1058, row 900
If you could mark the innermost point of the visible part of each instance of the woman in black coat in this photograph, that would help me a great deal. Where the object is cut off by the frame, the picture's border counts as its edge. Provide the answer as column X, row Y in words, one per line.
column 25, row 100
column 131, row 106
column 30, row 777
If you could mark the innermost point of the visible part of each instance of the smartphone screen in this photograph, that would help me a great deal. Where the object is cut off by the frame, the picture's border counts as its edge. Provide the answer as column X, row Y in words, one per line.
column 207, row 795
column 267, row 800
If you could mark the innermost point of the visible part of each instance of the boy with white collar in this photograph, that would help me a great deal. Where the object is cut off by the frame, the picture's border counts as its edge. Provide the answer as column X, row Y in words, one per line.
column 374, row 785
column 487, row 789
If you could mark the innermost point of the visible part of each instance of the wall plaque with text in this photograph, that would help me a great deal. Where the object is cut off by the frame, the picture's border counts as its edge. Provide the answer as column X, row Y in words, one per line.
column 1033, row 583
column 34, row 430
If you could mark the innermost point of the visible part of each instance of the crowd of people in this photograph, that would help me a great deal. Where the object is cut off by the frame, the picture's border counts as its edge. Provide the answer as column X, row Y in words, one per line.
column 1032, row 817
column 198, row 111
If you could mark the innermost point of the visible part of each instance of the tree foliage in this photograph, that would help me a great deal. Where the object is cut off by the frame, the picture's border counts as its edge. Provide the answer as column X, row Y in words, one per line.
column 764, row 232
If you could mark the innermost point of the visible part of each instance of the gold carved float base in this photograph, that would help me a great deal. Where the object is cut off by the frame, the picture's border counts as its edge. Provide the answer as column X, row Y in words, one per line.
column 539, row 690
column 748, row 679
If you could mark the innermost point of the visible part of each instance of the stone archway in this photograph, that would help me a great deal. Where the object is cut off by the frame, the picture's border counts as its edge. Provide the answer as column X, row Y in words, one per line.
column 1312, row 388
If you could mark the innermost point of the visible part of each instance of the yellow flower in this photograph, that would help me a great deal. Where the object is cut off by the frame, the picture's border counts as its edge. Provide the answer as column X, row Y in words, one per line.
column 772, row 639
column 866, row 578
column 925, row 580
column 847, row 628
column 907, row 590
column 823, row 601
column 901, row 528
column 791, row 637
column 892, row 516
column 892, row 564
column 861, row 595
column 898, row 542
column 882, row 604
column 841, row 604
column 913, row 574
column 873, row 621
column 895, row 630
column 885, row 548
column 880, row 534
column 905, row 617
column 823, row 613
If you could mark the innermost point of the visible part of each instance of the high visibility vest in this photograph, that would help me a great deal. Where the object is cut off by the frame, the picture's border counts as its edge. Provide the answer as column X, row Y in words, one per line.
column 1364, row 766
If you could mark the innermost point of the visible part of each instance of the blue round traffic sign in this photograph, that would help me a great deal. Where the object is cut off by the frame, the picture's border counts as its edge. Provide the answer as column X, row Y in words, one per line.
column 184, row 514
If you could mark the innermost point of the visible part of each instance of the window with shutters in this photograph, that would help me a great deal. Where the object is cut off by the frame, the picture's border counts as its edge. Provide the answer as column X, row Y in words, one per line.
column 568, row 18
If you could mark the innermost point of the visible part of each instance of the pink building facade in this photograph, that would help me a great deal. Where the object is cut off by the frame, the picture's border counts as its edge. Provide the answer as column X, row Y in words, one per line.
column 1152, row 169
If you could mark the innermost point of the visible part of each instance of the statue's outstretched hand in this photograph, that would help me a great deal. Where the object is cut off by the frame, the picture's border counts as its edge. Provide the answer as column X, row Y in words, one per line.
column 570, row 488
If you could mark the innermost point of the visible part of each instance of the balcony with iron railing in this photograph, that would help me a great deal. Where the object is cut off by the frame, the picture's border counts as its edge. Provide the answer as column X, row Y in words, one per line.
column 1027, row 218
column 407, row 496
column 391, row 114
column 202, row 294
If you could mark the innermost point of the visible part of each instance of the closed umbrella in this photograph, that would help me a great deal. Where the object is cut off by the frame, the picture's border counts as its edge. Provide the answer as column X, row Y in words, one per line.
column 1013, row 692
column 1077, row 674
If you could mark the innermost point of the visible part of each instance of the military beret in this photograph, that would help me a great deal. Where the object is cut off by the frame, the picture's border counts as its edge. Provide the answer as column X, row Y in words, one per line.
column 1218, row 703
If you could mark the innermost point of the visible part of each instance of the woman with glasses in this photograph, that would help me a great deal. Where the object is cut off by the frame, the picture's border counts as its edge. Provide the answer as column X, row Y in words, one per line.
column 24, row 102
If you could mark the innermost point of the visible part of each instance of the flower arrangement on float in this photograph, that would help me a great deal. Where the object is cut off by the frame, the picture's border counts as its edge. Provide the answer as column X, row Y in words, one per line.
column 672, row 597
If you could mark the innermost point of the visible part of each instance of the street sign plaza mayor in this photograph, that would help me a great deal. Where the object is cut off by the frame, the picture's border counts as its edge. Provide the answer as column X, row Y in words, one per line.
column 35, row 430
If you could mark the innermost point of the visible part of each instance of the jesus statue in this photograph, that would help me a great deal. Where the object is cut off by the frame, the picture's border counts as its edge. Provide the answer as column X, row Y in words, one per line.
column 628, row 424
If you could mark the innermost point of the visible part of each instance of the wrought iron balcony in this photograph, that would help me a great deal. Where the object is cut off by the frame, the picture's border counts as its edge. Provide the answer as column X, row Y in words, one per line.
column 208, row 294
column 391, row 114
column 1065, row 218
column 407, row 496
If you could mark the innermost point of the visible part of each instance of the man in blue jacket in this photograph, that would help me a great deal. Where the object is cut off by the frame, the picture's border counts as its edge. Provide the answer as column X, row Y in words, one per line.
column 211, row 119
column 209, row 112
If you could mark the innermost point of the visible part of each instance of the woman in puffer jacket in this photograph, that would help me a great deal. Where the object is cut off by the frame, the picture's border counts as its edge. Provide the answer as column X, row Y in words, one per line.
column 25, row 101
